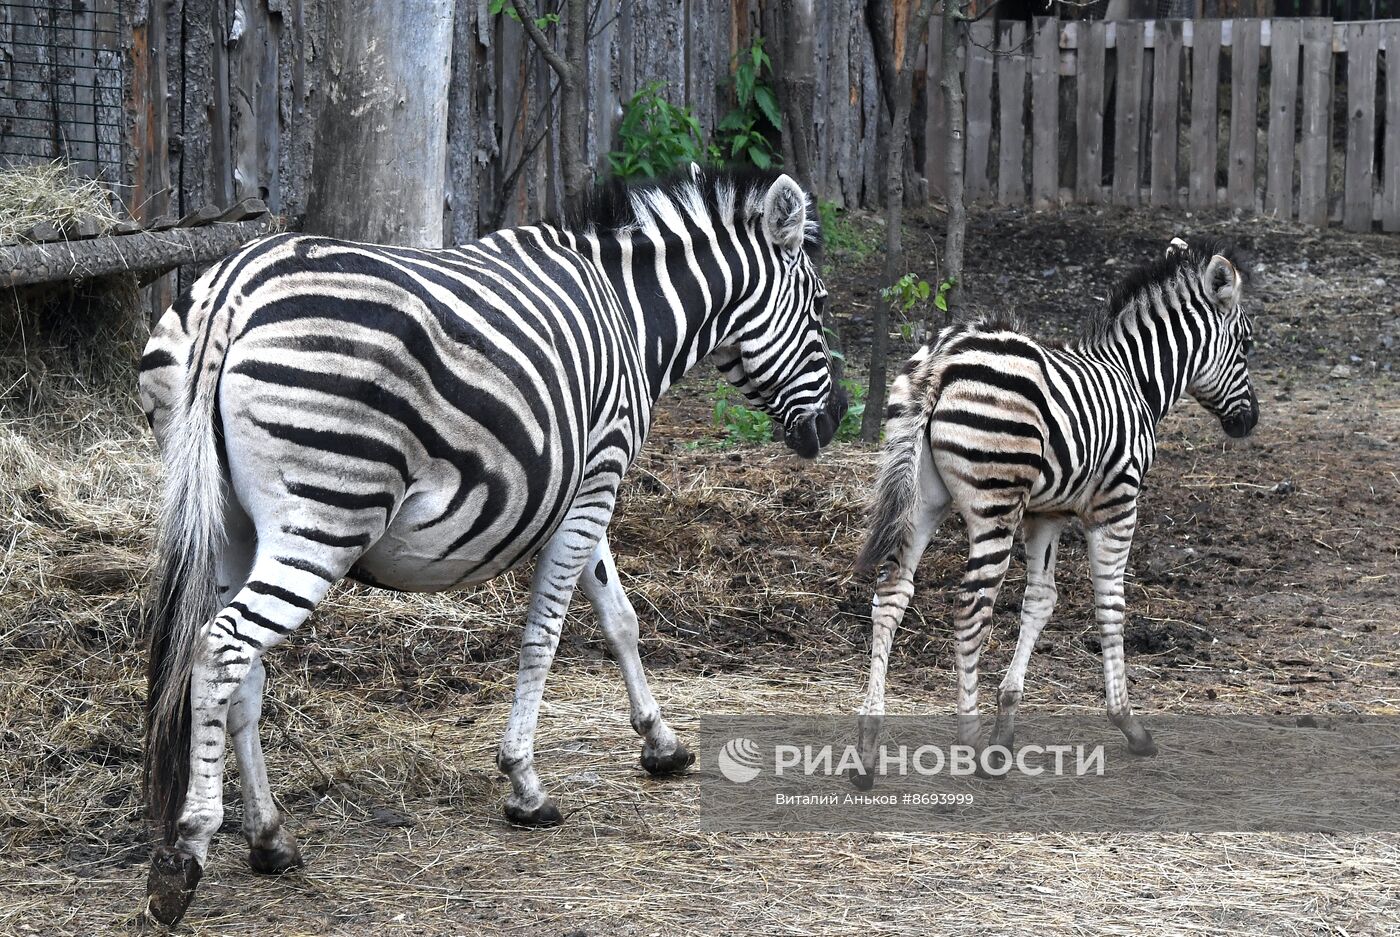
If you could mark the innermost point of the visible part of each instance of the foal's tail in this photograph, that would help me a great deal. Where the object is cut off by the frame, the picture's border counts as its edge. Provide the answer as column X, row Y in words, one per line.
column 190, row 538
column 895, row 500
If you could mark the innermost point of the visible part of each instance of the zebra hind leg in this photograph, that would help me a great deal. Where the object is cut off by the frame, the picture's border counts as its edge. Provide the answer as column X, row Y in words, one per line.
column 990, row 530
column 662, row 753
column 279, row 595
column 272, row 849
column 1042, row 544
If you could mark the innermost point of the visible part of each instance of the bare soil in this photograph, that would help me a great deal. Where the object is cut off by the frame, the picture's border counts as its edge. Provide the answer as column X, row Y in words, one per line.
column 1263, row 580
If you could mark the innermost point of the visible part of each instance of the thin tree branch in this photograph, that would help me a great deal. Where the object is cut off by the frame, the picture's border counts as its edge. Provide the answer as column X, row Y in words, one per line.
column 541, row 42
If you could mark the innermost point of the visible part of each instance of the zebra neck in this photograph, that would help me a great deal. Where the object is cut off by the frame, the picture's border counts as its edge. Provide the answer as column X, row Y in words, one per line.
column 674, row 288
column 1158, row 350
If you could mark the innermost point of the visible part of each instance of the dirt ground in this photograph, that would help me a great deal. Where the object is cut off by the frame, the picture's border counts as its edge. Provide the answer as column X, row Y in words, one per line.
column 1263, row 580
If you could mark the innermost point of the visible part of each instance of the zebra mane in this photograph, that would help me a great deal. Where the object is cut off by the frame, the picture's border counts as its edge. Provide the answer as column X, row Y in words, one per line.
column 1158, row 273
column 721, row 193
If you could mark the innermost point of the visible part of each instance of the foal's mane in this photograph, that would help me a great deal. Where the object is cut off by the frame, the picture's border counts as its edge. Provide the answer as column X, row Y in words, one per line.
column 616, row 203
column 1164, row 269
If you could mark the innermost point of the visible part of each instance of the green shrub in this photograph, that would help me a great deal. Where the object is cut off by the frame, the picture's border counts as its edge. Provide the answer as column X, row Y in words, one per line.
column 747, row 133
column 742, row 425
column 655, row 136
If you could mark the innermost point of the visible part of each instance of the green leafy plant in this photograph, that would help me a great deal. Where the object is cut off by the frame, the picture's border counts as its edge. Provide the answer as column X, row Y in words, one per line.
column 940, row 299
column 655, row 136
column 850, row 423
column 842, row 236
column 505, row 6
column 904, row 294
column 742, row 424
column 747, row 133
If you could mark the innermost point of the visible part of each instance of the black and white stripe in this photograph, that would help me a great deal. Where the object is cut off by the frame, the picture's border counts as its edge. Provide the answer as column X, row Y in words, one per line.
column 1004, row 428
column 424, row 419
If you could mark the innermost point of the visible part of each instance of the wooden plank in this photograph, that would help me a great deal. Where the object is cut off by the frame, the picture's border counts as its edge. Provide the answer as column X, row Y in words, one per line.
column 1011, row 90
column 1166, row 112
column 1359, row 196
column 1244, row 113
column 1127, row 166
column 1315, row 148
column 1045, row 105
column 936, row 122
column 1205, row 132
column 978, row 87
column 1088, row 175
column 1390, row 196
column 1283, row 92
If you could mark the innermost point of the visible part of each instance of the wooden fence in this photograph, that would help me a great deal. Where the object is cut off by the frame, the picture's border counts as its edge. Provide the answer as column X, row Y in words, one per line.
column 1297, row 118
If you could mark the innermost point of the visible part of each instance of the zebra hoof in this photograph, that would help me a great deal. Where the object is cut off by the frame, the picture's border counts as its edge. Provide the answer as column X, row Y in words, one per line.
column 661, row 765
column 1142, row 745
column 279, row 855
column 995, row 762
column 540, row 816
column 170, row 887
column 861, row 780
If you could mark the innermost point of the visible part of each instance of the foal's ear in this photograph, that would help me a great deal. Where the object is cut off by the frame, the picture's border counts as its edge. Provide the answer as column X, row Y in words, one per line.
column 694, row 172
column 1177, row 246
column 1222, row 283
column 785, row 213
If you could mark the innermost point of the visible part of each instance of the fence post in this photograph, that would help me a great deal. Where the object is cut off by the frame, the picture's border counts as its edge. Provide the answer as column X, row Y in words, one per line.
column 1359, row 199
column 1390, row 198
column 1045, row 106
column 1088, row 176
column 977, row 84
column 1205, row 127
column 1011, row 91
column 1244, row 113
column 1166, row 111
column 1283, row 89
column 1127, row 167
column 1315, row 148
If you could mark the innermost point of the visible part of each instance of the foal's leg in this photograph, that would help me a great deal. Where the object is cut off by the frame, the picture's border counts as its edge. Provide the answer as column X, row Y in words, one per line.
column 893, row 592
column 661, row 752
column 1042, row 546
column 559, row 565
column 1108, row 558
column 990, row 530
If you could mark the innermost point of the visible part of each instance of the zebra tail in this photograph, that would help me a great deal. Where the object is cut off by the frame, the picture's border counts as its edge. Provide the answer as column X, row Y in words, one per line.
column 895, row 499
column 190, row 537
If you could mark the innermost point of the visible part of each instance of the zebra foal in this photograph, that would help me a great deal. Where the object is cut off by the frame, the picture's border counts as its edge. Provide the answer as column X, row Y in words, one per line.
column 424, row 419
column 1006, row 429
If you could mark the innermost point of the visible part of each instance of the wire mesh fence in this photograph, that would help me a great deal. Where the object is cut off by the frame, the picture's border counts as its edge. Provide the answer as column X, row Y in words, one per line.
column 61, row 84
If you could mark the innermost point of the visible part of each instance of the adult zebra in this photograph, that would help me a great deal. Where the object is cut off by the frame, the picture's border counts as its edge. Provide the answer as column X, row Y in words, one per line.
column 1000, row 427
column 423, row 419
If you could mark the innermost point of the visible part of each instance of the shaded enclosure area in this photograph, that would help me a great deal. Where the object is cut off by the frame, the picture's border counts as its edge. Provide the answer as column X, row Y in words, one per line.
column 1263, row 581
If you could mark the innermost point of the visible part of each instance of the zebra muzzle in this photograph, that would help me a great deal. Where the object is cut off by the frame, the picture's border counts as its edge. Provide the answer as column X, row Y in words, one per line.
column 807, row 437
column 1241, row 422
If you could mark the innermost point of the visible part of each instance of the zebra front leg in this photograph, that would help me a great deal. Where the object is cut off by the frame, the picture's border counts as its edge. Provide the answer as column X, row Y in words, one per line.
column 990, row 530
column 559, row 566
column 1042, row 545
column 661, row 752
column 893, row 592
column 1108, row 558
column 272, row 849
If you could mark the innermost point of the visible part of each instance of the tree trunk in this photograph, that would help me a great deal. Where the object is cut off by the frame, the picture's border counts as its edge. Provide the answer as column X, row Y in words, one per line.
column 798, row 89
column 577, row 172
column 898, row 98
column 380, row 164
column 953, row 107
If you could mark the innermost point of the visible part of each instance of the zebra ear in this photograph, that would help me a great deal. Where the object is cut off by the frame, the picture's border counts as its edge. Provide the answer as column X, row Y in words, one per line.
column 1222, row 282
column 785, row 213
column 1177, row 246
column 694, row 172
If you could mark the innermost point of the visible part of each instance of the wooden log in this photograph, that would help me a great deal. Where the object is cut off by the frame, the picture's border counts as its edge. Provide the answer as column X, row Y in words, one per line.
column 1205, row 132
column 243, row 210
column 1045, row 104
column 1127, row 168
column 1011, row 92
column 1166, row 112
column 1088, row 179
column 1390, row 195
column 1359, row 197
column 1283, row 91
column 144, row 251
column 978, row 88
column 1315, row 148
column 1244, row 113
